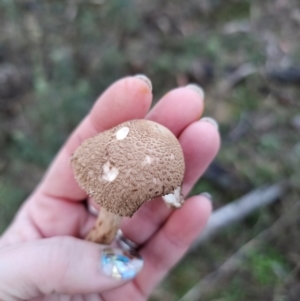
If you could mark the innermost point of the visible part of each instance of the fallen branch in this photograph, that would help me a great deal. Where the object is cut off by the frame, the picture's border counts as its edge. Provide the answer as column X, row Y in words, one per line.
column 236, row 77
column 211, row 281
column 239, row 209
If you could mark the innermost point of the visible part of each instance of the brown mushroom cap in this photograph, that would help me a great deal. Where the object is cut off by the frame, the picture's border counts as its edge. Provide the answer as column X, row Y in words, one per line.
column 129, row 164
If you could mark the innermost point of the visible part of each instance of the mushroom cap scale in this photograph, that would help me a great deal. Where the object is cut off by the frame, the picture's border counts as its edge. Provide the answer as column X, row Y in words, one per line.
column 125, row 166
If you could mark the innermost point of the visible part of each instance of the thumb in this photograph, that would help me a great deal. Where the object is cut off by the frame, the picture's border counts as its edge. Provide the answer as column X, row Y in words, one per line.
column 62, row 265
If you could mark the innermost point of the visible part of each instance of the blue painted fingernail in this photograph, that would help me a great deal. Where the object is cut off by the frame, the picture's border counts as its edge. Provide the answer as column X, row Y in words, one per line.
column 120, row 264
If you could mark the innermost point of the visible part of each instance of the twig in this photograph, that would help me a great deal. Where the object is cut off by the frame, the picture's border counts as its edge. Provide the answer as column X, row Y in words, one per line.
column 236, row 77
column 211, row 281
column 239, row 209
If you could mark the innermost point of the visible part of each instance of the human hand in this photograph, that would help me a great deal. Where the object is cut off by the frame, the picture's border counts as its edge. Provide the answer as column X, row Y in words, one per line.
column 42, row 253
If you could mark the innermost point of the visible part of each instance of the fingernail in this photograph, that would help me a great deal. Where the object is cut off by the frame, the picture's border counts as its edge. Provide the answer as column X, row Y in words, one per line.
column 211, row 121
column 197, row 88
column 92, row 210
column 120, row 264
column 145, row 79
column 207, row 195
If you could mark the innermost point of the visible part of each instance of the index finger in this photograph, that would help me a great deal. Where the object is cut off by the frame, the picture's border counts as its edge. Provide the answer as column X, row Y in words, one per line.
column 128, row 98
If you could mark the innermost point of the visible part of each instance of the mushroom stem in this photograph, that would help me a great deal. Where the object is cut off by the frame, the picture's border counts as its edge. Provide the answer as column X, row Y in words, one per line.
column 105, row 228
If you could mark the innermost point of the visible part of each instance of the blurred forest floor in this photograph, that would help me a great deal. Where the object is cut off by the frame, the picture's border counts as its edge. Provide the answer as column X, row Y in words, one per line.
column 57, row 56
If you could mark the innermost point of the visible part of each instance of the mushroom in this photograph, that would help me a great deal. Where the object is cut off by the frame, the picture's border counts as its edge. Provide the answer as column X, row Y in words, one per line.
column 124, row 167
